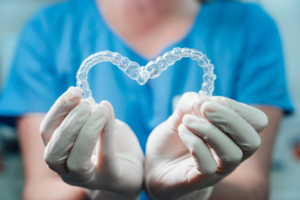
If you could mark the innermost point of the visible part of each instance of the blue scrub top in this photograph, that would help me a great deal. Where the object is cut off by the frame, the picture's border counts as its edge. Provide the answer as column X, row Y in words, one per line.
column 241, row 40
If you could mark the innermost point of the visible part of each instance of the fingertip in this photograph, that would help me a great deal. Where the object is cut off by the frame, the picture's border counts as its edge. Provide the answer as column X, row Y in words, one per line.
column 263, row 122
column 192, row 120
column 75, row 89
column 99, row 112
column 110, row 115
column 72, row 96
column 205, row 107
column 108, row 107
column 209, row 107
column 220, row 100
column 106, row 103
column 217, row 99
column 229, row 103
column 187, row 119
column 188, row 96
column 75, row 92
column 84, row 107
column 181, row 128
column 185, row 104
column 183, row 134
column 89, row 104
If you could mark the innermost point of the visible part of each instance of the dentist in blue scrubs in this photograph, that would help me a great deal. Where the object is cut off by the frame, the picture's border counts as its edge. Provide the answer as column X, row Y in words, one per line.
column 147, row 150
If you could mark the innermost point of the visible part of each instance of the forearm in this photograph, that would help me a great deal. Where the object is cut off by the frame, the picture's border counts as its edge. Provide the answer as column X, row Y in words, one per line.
column 52, row 188
column 40, row 181
column 234, row 188
column 55, row 188
column 246, row 187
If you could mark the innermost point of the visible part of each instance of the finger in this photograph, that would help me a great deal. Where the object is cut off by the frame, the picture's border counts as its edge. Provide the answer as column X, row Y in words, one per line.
column 185, row 106
column 228, row 153
column 107, row 144
column 79, row 161
column 204, row 161
column 63, row 105
column 63, row 138
column 228, row 121
column 255, row 117
column 106, row 155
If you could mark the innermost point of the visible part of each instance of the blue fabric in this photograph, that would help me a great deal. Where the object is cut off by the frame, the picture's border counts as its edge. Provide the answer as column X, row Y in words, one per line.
column 241, row 40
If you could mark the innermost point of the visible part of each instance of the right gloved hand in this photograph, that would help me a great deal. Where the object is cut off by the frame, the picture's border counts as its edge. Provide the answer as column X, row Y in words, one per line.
column 186, row 155
column 71, row 130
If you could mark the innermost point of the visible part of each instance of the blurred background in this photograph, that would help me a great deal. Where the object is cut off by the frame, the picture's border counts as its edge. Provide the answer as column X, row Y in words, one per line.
column 285, row 179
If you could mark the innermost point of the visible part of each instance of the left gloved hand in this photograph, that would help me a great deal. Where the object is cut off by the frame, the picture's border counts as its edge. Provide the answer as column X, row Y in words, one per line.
column 185, row 155
column 70, row 131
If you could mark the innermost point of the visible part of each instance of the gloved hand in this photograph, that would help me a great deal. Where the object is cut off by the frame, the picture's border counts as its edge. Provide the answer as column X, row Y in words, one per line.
column 70, row 132
column 185, row 155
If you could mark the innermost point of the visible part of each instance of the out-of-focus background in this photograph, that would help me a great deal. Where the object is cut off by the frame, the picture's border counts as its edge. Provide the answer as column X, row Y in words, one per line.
column 285, row 179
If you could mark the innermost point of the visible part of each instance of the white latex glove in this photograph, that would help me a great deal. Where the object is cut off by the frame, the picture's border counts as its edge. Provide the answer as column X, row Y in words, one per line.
column 70, row 132
column 185, row 155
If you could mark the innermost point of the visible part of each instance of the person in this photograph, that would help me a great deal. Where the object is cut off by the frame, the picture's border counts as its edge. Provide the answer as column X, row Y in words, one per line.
column 219, row 156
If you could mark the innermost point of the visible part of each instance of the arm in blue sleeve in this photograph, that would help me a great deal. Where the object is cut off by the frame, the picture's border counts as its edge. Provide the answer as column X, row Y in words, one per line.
column 32, row 85
column 261, row 76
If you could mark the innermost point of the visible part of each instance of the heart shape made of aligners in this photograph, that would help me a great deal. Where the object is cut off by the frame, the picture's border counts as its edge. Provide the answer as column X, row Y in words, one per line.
column 152, row 70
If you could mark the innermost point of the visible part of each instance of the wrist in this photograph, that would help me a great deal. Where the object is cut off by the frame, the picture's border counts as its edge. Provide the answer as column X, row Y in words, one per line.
column 106, row 195
column 203, row 194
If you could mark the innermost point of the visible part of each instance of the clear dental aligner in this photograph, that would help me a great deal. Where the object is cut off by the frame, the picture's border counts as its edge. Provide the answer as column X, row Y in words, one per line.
column 152, row 70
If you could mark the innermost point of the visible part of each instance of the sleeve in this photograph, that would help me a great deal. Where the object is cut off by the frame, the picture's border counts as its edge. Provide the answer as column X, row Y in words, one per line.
column 32, row 84
column 261, row 77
